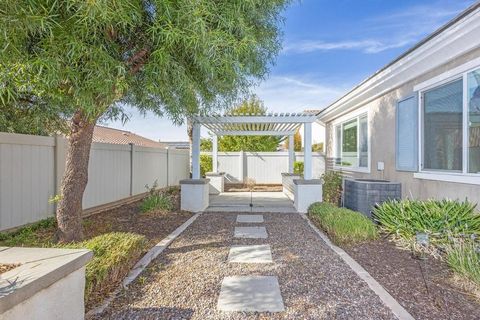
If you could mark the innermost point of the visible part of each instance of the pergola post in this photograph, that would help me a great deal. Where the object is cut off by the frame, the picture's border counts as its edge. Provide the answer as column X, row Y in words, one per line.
column 215, row 153
column 196, row 151
column 307, row 151
column 291, row 153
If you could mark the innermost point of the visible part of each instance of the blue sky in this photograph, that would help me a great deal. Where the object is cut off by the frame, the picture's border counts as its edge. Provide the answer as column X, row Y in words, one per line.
column 328, row 47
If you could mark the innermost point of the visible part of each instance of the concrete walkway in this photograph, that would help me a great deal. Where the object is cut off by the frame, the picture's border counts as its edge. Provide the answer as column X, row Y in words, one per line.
column 240, row 202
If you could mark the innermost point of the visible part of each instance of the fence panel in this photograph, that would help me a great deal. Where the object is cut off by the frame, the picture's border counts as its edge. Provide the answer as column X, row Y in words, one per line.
column 149, row 164
column 178, row 166
column 229, row 163
column 26, row 179
column 266, row 167
column 31, row 168
column 108, row 174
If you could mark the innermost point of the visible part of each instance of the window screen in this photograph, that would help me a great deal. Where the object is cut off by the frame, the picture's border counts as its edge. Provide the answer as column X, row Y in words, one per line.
column 406, row 135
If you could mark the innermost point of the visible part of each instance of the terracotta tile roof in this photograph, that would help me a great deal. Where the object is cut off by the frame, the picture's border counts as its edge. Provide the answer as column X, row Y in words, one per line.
column 116, row 136
column 311, row 111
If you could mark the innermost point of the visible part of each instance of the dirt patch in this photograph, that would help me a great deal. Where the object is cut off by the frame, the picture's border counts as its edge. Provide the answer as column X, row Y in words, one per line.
column 154, row 225
column 7, row 267
column 424, row 287
column 257, row 188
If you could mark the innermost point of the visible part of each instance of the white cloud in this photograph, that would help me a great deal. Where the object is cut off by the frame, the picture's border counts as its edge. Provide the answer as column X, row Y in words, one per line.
column 366, row 46
column 388, row 31
column 293, row 94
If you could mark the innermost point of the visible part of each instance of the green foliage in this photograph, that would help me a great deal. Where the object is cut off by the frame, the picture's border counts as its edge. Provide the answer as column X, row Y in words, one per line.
column 206, row 164
column 332, row 187
column 252, row 105
column 29, row 120
column 298, row 167
column 344, row 226
column 156, row 202
column 114, row 253
column 174, row 58
column 317, row 147
column 441, row 220
column 205, row 144
column 113, row 256
column 464, row 259
column 38, row 234
column 297, row 142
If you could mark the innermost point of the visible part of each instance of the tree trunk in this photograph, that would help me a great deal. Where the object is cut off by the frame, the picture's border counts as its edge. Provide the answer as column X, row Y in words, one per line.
column 69, row 209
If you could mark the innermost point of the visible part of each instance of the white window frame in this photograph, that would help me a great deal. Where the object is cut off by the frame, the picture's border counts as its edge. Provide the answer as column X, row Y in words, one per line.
column 340, row 121
column 464, row 176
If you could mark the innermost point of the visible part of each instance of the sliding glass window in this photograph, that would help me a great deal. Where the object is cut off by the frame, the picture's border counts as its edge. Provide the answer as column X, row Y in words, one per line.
column 473, row 98
column 351, row 143
column 442, row 122
column 451, row 125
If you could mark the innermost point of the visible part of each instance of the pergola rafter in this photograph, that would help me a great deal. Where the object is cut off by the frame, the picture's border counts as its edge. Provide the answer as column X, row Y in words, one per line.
column 272, row 124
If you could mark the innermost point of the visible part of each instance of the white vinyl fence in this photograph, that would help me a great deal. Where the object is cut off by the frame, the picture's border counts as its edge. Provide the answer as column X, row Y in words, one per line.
column 264, row 167
column 31, row 168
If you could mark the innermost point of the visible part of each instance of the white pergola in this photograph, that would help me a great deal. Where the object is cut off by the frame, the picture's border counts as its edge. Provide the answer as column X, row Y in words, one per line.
column 277, row 124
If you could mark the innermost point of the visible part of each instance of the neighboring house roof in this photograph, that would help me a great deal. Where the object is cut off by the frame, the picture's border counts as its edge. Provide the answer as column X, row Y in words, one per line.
column 312, row 111
column 116, row 136
column 177, row 144
column 457, row 37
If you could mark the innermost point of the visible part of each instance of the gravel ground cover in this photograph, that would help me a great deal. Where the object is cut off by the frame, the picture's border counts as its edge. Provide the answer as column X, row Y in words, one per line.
column 184, row 281
column 423, row 287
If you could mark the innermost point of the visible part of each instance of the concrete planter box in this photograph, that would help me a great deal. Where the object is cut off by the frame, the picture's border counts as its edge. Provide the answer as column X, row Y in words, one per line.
column 48, row 284
column 288, row 187
column 306, row 193
column 363, row 194
column 217, row 182
column 194, row 194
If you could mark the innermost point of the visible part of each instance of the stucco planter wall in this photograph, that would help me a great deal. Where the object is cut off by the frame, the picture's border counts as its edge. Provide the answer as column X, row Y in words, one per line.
column 194, row 194
column 48, row 284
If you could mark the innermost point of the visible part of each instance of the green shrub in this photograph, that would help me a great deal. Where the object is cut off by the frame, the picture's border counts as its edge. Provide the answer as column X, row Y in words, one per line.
column 113, row 256
column 205, row 164
column 332, row 187
column 298, row 167
column 344, row 226
column 156, row 201
column 38, row 234
column 441, row 220
column 464, row 258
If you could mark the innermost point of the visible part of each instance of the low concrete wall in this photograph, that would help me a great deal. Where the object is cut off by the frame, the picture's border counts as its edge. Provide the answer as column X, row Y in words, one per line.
column 48, row 284
column 194, row 194
column 62, row 300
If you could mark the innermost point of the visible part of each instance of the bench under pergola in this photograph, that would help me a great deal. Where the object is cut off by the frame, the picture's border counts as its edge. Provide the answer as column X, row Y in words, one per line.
column 273, row 124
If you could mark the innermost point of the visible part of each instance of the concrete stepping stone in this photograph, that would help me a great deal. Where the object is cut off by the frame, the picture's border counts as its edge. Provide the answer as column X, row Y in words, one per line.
column 250, row 232
column 250, row 294
column 250, row 218
column 250, row 254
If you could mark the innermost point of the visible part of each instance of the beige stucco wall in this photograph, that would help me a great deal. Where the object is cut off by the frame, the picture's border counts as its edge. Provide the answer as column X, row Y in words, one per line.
column 382, row 130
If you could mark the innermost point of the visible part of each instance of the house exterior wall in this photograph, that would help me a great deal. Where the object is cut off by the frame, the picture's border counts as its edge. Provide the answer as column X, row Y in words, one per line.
column 382, row 131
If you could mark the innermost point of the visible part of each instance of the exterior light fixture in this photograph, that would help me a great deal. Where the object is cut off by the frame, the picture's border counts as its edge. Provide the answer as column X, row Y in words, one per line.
column 421, row 238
